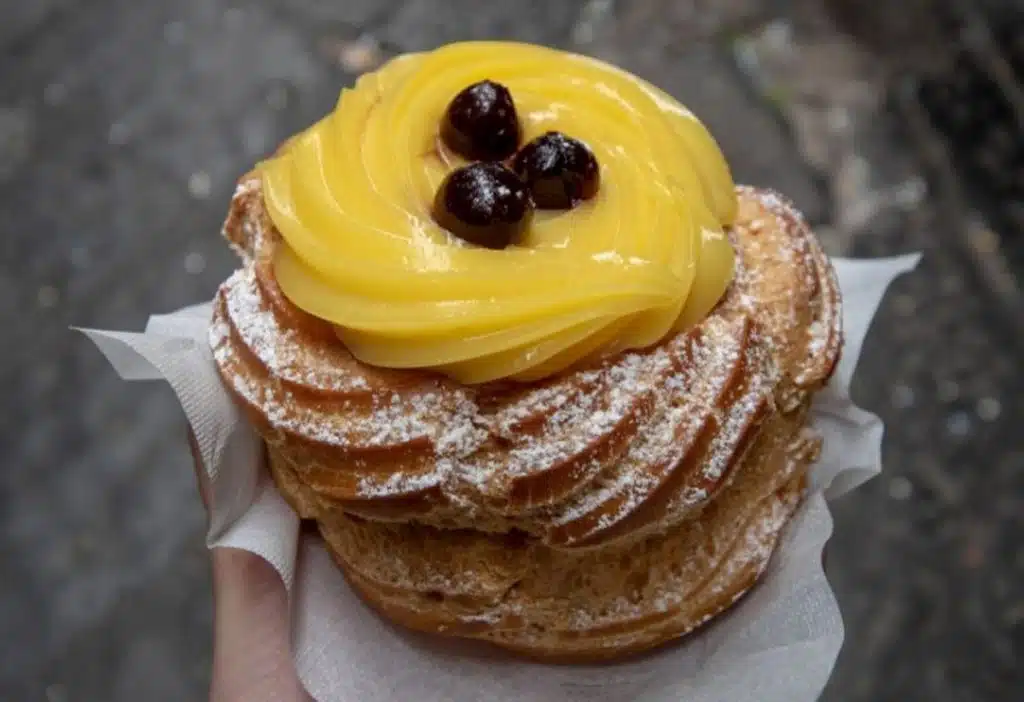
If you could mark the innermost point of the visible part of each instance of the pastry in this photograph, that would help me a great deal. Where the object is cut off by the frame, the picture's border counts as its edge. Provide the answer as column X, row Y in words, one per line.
column 537, row 369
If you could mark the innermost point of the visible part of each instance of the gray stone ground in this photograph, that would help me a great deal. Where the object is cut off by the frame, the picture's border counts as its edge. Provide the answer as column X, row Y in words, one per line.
column 123, row 124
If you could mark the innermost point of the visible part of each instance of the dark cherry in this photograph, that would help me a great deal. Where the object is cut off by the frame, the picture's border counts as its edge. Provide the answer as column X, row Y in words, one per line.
column 485, row 204
column 481, row 123
column 559, row 170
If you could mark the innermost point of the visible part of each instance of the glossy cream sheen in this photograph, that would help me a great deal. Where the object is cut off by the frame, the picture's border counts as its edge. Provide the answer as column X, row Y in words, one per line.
column 646, row 257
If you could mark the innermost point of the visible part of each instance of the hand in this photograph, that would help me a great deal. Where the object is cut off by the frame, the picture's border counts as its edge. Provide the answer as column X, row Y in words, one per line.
column 252, row 659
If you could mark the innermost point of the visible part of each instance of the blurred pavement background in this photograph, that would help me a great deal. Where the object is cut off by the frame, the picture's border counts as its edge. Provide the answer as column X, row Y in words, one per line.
column 124, row 124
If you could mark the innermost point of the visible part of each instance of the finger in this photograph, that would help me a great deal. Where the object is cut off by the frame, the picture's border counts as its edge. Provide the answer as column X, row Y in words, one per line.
column 252, row 658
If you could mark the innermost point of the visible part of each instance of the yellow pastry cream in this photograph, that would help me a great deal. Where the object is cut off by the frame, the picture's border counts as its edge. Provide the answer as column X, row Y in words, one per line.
column 644, row 258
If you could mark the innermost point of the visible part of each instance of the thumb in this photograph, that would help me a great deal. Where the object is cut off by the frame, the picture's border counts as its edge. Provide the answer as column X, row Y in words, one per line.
column 252, row 658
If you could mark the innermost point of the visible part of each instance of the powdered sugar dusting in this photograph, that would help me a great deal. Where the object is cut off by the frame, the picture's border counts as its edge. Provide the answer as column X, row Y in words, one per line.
column 669, row 437
column 803, row 297
column 574, row 426
column 726, row 552
column 541, row 402
column 398, row 484
column 281, row 350
column 392, row 421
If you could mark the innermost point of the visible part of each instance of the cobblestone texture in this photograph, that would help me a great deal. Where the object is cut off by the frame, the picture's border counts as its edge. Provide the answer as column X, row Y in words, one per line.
column 123, row 125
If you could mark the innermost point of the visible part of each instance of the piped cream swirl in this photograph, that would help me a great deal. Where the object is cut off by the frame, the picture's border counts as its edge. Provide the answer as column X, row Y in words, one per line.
column 645, row 258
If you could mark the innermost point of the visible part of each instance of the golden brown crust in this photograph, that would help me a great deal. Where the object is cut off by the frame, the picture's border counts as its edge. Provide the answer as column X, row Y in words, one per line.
column 580, row 605
column 587, row 516
column 724, row 588
column 569, row 606
column 591, row 456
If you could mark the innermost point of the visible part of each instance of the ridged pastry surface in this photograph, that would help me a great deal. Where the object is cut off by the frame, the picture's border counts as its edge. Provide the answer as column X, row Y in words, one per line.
column 594, row 514
column 629, row 446
column 576, row 605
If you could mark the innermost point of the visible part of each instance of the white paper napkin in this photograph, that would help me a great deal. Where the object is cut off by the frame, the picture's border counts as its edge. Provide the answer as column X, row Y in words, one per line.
column 778, row 645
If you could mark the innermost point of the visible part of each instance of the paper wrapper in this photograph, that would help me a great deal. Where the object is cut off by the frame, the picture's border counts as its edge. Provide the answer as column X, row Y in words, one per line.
column 777, row 645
